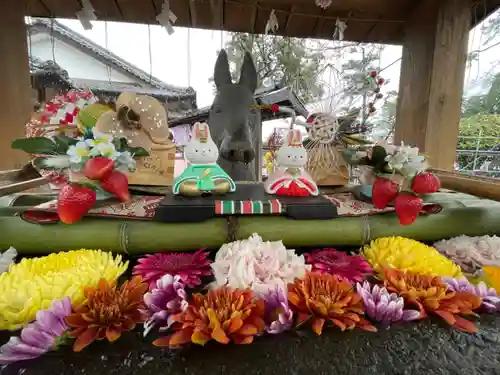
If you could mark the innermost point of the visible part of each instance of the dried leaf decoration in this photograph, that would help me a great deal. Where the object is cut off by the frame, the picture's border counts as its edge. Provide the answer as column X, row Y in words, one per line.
column 431, row 295
column 223, row 315
column 327, row 299
column 108, row 312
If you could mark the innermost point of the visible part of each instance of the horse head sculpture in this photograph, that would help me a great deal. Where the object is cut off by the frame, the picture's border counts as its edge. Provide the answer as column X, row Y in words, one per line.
column 235, row 120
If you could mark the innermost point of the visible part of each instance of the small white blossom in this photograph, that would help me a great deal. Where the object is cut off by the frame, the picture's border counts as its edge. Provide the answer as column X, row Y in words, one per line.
column 78, row 152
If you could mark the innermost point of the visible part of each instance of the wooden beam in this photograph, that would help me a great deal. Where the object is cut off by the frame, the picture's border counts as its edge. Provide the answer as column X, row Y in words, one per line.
column 432, row 75
column 483, row 187
column 217, row 7
column 15, row 83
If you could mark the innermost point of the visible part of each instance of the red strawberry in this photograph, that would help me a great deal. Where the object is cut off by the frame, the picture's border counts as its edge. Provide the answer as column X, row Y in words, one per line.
column 98, row 168
column 383, row 192
column 425, row 183
column 74, row 202
column 117, row 183
column 407, row 208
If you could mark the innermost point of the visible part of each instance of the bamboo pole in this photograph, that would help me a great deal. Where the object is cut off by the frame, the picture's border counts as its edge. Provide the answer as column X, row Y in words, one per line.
column 139, row 237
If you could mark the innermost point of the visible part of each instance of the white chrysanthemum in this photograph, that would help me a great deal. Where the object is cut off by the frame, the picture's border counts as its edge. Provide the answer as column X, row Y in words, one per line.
column 7, row 258
column 257, row 264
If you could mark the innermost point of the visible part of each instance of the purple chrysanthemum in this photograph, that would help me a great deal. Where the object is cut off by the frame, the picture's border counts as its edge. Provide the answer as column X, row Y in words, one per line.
column 163, row 302
column 382, row 306
column 489, row 296
column 189, row 266
column 277, row 314
column 352, row 268
column 40, row 336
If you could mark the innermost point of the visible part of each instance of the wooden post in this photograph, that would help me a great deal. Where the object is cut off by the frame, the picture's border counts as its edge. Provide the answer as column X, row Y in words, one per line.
column 432, row 76
column 15, row 83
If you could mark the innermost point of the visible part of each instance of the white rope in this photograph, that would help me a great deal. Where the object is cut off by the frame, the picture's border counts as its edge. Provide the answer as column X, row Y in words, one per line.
column 189, row 56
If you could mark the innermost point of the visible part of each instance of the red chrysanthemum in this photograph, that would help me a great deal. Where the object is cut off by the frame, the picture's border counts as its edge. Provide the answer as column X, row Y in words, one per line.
column 189, row 266
column 352, row 268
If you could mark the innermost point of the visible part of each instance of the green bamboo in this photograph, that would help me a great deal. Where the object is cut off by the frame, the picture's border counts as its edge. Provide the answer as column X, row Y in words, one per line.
column 122, row 236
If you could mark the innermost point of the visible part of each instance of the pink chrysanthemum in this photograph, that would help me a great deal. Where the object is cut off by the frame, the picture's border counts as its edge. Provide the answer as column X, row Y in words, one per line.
column 352, row 268
column 189, row 266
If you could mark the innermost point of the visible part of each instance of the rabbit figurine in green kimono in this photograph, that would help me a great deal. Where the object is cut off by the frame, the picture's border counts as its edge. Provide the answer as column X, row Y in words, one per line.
column 202, row 175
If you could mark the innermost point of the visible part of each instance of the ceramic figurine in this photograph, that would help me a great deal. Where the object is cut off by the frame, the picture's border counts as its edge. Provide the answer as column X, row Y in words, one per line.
column 290, row 178
column 202, row 175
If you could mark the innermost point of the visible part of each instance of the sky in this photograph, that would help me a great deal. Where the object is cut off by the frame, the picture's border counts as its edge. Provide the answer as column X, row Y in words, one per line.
column 187, row 57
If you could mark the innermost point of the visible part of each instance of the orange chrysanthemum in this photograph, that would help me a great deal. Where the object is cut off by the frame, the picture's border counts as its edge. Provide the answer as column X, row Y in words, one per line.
column 107, row 313
column 326, row 298
column 431, row 295
column 224, row 315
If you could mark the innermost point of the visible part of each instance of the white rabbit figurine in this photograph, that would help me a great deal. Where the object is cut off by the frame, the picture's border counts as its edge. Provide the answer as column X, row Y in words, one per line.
column 202, row 175
column 291, row 179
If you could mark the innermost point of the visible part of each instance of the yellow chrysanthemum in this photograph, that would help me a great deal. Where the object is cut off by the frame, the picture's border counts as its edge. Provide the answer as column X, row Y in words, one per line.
column 408, row 255
column 492, row 274
column 33, row 284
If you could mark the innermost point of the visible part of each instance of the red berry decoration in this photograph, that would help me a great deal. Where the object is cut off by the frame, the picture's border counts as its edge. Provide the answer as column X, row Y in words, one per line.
column 383, row 192
column 74, row 202
column 408, row 207
column 98, row 168
column 425, row 183
column 381, row 81
column 117, row 183
column 275, row 108
column 373, row 74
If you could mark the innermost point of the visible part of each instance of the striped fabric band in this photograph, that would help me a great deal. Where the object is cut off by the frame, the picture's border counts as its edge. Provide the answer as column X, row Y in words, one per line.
column 271, row 207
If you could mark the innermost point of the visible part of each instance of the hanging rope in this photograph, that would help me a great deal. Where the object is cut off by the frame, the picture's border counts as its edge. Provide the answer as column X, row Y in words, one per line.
column 189, row 57
column 108, row 68
column 150, row 51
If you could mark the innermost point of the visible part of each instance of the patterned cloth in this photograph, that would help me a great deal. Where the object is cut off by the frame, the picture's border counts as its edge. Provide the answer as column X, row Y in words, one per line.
column 272, row 207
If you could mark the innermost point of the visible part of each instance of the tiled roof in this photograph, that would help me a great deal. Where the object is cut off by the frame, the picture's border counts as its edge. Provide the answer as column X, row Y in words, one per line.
column 66, row 34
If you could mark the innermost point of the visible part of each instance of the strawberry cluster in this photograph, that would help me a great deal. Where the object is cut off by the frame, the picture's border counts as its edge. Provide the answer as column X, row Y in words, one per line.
column 409, row 204
column 76, row 199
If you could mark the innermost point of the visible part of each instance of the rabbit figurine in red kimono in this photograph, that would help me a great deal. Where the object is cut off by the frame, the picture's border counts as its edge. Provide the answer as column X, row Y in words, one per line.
column 291, row 179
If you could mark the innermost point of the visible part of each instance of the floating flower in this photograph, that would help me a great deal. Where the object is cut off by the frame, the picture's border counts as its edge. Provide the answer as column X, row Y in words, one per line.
column 106, row 150
column 493, row 276
column 98, row 138
column 165, row 300
column 125, row 162
column 471, row 253
column 107, row 313
column 33, row 284
column 7, row 258
column 40, row 336
column 352, row 268
column 223, row 315
column 489, row 296
column 327, row 299
column 408, row 255
column 78, row 152
column 277, row 314
column 189, row 266
column 384, row 307
column 431, row 294
column 257, row 265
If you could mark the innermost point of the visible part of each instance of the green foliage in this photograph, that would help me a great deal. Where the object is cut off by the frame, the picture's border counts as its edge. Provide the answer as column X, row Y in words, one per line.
column 479, row 125
column 43, row 145
column 282, row 60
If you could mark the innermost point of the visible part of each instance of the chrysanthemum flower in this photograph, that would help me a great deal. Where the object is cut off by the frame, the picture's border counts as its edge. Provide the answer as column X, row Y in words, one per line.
column 257, row 265
column 107, row 313
column 40, row 336
column 493, row 276
column 163, row 302
column 431, row 294
column 33, row 284
column 408, row 255
column 223, row 315
column 189, row 266
column 278, row 316
column 384, row 307
column 352, row 268
column 327, row 299
column 489, row 296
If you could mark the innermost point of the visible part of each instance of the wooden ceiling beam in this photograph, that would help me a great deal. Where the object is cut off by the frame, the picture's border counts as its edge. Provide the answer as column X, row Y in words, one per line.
column 217, row 7
column 192, row 13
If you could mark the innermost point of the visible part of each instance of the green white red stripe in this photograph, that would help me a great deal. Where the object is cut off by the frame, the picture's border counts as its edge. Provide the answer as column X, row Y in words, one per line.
column 270, row 207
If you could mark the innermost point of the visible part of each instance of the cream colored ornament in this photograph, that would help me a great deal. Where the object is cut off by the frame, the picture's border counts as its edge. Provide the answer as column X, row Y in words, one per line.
column 143, row 121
